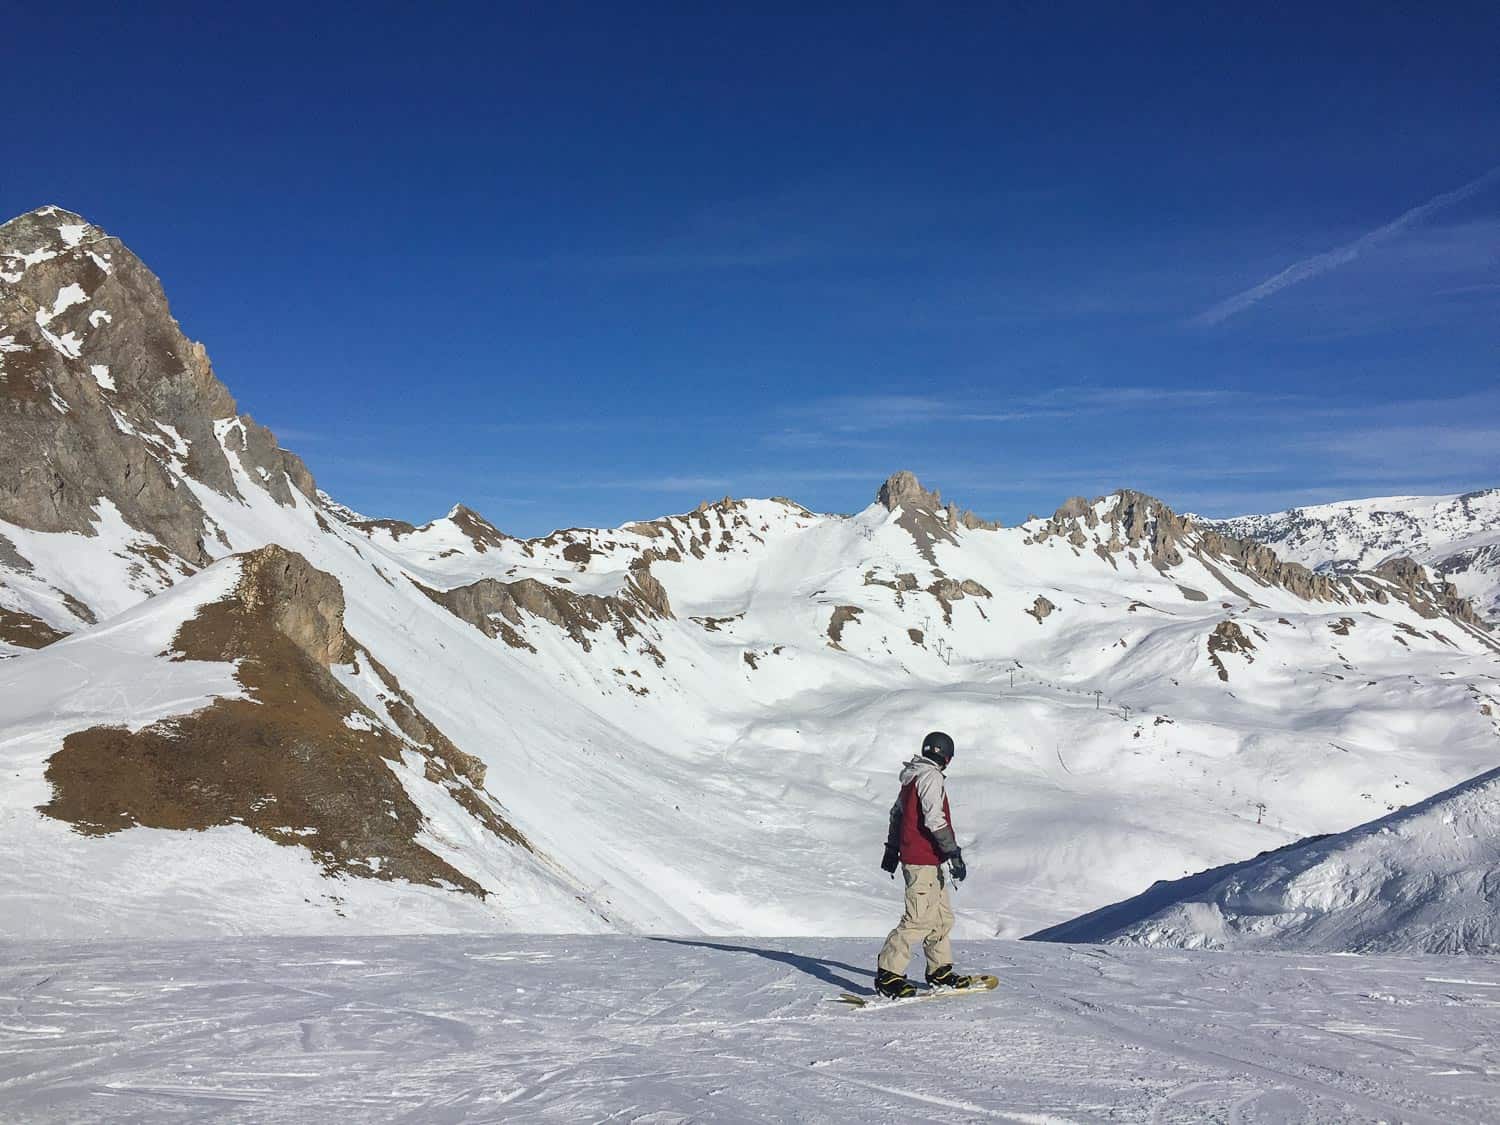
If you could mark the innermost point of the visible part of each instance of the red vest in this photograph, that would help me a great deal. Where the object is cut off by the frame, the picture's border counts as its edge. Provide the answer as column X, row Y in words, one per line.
column 917, row 845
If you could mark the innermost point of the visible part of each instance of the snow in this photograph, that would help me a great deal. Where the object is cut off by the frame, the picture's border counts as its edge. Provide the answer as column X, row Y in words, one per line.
column 36, row 257
column 120, row 669
column 100, row 372
column 67, row 345
column 101, row 570
column 342, row 511
column 8, row 344
column 567, row 1029
column 67, row 296
column 1419, row 880
column 179, row 443
column 98, row 317
column 72, row 233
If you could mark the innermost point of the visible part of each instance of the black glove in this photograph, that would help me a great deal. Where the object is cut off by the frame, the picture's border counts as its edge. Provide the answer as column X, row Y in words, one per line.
column 890, row 860
column 956, row 869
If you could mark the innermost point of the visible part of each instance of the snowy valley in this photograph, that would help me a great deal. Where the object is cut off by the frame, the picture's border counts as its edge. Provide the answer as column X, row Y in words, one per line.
column 686, row 724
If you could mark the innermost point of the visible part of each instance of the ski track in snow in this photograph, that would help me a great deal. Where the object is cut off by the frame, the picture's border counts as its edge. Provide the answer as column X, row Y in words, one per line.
column 526, row 1028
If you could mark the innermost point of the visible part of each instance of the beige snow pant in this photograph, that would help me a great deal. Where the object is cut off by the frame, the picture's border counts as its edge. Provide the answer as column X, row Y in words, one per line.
column 928, row 919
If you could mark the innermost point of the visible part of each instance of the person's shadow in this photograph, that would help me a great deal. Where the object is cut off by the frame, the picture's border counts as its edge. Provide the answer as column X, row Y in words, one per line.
column 813, row 966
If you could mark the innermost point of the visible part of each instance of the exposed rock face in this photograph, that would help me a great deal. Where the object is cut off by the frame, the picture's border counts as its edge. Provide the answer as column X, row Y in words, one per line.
column 710, row 528
column 1453, row 536
column 842, row 615
column 26, row 631
column 1041, row 609
column 923, row 514
column 1262, row 562
column 1133, row 521
column 280, row 589
column 949, row 590
column 1130, row 521
column 1428, row 596
column 302, row 761
column 1228, row 637
column 480, row 531
column 101, row 395
column 397, row 528
column 904, row 488
column 499, row 609
column 1076, row 507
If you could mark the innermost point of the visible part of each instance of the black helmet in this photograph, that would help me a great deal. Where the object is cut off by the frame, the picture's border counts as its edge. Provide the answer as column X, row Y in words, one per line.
column 938, row 747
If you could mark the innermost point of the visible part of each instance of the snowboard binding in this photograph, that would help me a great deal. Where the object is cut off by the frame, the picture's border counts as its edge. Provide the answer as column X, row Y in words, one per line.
column 892, row 986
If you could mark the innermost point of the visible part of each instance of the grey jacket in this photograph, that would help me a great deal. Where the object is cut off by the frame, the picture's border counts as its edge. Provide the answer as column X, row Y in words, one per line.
column 930, row 794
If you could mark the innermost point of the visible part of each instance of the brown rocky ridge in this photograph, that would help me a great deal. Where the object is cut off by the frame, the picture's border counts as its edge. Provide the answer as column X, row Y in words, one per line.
column 1136, row 524
column 923, row 514
column 499, row 609
column 301, row 761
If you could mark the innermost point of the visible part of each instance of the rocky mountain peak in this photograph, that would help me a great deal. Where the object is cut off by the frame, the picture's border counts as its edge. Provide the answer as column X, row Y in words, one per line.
column 924, row 515
column 904, row 490
column 97, row 375
column 483, row 534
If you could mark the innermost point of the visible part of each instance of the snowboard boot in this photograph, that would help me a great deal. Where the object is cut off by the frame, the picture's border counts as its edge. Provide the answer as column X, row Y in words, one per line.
column 892, row 986
column 944, row 977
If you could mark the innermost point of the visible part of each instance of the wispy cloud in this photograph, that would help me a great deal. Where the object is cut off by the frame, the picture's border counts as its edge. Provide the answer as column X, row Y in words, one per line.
column 1332, row 259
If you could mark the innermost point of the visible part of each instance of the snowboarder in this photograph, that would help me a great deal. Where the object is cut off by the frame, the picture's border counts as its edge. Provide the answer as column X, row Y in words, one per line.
column 920, row 840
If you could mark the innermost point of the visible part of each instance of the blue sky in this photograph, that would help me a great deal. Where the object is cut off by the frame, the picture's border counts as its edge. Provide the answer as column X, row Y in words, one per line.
column 582, row 264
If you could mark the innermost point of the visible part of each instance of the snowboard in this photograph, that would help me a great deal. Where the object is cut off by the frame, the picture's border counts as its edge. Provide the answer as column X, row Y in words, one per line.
column 983, row 983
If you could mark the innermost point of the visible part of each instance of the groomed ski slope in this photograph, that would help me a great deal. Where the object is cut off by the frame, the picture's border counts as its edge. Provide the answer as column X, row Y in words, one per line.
column 570, row 1029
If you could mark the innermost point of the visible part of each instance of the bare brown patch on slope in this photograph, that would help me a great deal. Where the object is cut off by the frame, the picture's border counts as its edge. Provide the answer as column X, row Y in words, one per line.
column 283, row 763
column 842, row 615
column 1228, row 637
column 25, row 631
column 499, row 609
column 1041, row 609
column 397, row 528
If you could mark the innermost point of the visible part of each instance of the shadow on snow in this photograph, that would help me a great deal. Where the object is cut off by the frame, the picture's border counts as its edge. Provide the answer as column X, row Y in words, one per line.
column 816, row 967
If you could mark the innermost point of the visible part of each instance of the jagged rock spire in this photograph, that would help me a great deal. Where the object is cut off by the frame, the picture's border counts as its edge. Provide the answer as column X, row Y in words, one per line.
column 903, row 489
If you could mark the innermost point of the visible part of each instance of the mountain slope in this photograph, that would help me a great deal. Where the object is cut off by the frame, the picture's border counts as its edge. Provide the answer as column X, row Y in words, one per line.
column 1421, row 880
column 1457, row 536
column 694, row 722
column 226, row 750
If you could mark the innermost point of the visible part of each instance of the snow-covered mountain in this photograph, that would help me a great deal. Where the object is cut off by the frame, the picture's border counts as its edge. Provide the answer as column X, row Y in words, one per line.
column 229, row 704
column 1456, row 537
column 1422, row 880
